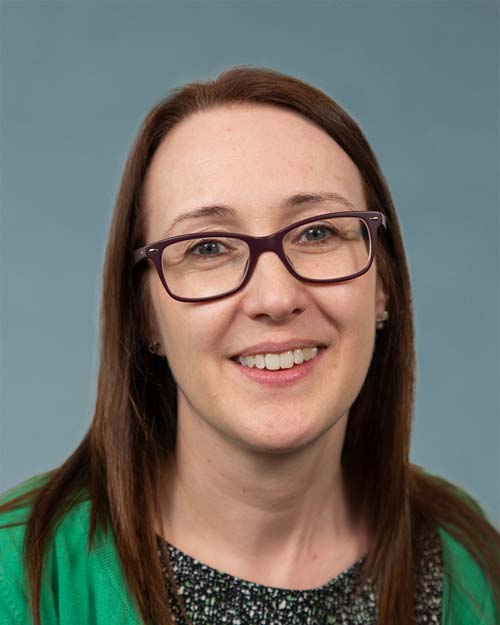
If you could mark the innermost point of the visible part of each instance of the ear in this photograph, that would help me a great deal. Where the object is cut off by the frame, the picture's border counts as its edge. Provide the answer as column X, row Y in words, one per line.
column 148, row 327
column 381, row 298
column 153, row 338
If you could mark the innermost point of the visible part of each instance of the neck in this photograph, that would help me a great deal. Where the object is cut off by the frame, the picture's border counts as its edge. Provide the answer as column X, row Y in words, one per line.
column 225, row 504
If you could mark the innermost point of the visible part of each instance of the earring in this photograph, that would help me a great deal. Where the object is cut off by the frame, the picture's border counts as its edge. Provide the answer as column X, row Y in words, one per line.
column 154, row 347
column 380, row 322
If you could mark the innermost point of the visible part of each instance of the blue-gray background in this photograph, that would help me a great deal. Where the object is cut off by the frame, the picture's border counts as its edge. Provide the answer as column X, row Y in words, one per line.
column 422, row 80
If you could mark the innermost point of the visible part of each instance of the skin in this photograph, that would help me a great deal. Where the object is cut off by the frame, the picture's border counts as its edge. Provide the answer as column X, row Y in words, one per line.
column 256, row 487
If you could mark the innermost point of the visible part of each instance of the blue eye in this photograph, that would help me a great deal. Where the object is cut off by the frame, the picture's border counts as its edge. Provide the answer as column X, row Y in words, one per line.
column 318, row 229
column 207, row 249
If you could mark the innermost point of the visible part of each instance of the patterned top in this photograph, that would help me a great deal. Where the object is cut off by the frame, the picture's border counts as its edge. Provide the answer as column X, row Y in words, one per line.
column 212, row 597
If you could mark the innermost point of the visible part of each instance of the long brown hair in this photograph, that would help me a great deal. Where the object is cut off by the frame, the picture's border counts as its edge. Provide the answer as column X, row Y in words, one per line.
column 134, row 424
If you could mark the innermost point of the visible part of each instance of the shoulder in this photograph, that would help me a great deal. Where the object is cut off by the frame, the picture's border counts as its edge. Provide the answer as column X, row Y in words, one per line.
column 13, row 526
column 466, row 592
column 13, row 607
column 80, row 585
column 467, row 595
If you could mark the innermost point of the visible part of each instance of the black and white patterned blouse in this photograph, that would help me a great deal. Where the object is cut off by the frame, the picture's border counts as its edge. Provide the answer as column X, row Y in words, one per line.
column 212, row 597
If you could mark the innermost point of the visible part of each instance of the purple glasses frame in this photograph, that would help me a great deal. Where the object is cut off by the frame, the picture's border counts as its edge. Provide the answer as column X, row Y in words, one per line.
column 259, row 245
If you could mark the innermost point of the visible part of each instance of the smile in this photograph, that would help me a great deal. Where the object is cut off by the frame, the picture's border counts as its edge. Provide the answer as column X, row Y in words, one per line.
column 266, row 373
column 275, row 361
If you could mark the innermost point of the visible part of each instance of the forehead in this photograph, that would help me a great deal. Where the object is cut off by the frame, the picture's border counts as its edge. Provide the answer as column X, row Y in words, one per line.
column 248, row 156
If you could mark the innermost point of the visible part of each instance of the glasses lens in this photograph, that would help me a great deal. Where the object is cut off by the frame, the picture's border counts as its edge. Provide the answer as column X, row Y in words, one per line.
column 329, row 248
column 326, row 249
column 204, row 267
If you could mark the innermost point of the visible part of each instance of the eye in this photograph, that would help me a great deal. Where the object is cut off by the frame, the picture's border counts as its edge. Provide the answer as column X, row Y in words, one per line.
column 208, row 248
column 318, row 233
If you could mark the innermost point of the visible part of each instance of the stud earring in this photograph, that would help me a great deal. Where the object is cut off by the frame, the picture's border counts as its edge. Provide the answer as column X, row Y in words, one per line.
column 381, row 321
column 154, row 347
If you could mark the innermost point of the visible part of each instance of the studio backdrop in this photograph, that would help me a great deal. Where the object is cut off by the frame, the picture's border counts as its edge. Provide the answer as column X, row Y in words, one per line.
column 420, row 78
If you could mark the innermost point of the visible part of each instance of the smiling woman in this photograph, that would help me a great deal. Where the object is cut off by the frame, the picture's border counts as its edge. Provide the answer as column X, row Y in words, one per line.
column 248, row 458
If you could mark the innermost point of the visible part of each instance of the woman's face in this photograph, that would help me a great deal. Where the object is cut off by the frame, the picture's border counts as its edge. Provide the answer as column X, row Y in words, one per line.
column 252, row 158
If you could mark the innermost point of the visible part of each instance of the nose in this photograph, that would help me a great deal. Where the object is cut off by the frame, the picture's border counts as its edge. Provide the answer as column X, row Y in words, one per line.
column 273, row 292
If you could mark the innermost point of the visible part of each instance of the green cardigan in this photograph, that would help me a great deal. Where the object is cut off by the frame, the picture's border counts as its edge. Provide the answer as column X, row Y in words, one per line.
column 90, row 589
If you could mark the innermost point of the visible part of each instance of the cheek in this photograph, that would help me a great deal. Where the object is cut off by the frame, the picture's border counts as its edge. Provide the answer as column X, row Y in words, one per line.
column 351, row 308
column 357, row 346
column 357, row 349
column 189, row 334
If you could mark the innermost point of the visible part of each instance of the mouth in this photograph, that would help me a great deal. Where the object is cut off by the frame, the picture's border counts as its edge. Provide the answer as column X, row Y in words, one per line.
column 277, row 361
column 277, row 377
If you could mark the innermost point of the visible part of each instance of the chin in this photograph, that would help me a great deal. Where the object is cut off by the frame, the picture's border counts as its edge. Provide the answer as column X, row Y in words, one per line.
column 279, row 442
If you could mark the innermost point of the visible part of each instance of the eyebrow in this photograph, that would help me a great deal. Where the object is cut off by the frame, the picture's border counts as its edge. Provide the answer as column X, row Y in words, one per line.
column 223, row 211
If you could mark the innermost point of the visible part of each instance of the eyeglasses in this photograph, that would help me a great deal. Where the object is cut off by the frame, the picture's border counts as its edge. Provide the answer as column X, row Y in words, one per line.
column 204, row 266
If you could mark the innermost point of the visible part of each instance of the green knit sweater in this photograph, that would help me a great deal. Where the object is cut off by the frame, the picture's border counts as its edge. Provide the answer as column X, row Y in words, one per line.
column 90, row 589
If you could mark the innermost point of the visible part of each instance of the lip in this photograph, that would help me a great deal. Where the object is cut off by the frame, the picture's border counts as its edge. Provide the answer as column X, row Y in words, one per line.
column 281, row 377
column 275, row 347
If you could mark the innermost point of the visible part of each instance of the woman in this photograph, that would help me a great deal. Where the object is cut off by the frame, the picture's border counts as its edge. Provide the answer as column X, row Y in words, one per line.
column 248, row 459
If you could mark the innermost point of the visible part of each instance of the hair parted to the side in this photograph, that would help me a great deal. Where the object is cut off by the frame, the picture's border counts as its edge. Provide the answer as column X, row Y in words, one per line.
column 133, row 429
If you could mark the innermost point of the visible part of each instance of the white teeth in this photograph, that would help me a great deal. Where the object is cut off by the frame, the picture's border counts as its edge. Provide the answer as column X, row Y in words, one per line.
column 272, row 361
column 286, row 360
column 298, row 356
column 283, row 360
column 307, row 353
column 260, row 361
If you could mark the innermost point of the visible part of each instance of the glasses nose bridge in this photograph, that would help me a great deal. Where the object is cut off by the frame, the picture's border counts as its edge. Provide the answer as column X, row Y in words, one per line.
column 270, row 243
